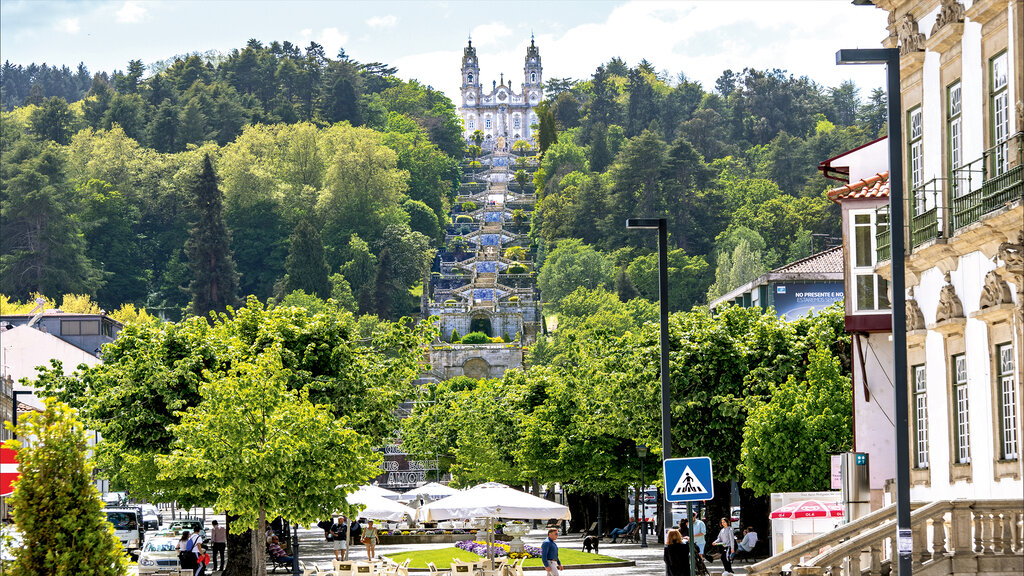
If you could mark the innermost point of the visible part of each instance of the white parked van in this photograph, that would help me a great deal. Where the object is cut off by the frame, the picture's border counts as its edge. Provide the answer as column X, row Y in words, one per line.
column 127, row 524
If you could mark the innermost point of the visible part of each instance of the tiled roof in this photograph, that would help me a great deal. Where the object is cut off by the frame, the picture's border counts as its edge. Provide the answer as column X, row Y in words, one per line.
column 830, row 260
column 876, row 186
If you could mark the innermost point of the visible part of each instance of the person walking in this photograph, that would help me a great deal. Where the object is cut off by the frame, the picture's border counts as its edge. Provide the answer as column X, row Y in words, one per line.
column 549, row 554
column 370, row 539
column 219, row 537
column 699, row 533
column 677, row 555
column 339, row 533
column 727, row 540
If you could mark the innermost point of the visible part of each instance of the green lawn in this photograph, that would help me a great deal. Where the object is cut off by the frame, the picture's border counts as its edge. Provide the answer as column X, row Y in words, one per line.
column 442, row 557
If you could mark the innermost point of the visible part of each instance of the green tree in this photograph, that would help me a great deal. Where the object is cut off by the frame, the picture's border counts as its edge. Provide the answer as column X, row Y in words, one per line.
column 547, row 133
column 570, row 265
column 53, row 120
column 113, row 244
column 214, row 284
column 55, row 504
column 787, row 440
column 276, row 451
column 306, row 263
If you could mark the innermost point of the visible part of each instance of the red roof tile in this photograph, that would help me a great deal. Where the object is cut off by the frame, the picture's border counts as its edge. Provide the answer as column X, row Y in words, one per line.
column 876, row 186
column 830, row 260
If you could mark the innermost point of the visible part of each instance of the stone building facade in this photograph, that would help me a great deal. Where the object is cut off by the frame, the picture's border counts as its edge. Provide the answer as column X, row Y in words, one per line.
column 503, row 114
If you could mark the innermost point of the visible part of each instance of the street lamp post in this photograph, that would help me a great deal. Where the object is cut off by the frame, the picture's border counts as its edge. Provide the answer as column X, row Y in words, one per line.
column 641, row 451
column 891, row 58
column 661, row 225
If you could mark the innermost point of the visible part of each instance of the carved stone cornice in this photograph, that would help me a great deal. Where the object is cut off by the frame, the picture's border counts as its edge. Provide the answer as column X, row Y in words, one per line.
column 995, row 292
column 950, row 307
column 1012, row 255
column 982, row 11
column 910, row 64
column 910, row 38
column 915, row 319
column 951, row 12
column 942, row 39
column 995, row 314
column 949, row 327
column 916, row 338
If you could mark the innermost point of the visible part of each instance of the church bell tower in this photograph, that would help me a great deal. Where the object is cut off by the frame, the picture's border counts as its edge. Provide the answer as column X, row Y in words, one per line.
column 533, row 75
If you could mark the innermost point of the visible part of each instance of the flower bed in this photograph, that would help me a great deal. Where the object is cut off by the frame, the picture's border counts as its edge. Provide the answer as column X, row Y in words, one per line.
column 482, row 549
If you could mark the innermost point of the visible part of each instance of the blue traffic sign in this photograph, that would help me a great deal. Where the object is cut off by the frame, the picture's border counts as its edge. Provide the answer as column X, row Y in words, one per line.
column 688, row 479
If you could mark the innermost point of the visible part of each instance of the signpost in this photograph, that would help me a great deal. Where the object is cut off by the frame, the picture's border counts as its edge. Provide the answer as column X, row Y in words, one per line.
column 8, row 469
column 688, row 480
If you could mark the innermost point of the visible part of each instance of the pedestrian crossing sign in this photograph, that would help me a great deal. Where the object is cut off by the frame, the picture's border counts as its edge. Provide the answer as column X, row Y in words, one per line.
column 688, row 479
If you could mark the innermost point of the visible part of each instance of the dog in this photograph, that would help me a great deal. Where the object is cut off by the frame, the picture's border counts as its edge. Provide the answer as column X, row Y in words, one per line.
column 591, row 543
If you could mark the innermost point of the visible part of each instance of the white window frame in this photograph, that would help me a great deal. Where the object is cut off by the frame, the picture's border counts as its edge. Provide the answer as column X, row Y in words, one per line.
column 1000, row 102
column 915, row 148
column 880, row 286
column 955, row 135
column 1007, row 387
column 920, row 416
column 961, row 410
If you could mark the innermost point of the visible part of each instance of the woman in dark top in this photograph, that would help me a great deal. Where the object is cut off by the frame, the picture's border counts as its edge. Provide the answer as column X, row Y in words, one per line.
column 677, row 555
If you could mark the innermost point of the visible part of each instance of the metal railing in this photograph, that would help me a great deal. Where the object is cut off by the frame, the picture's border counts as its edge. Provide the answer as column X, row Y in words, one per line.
column 988, row 183
column 883, row 241
column 925, row 223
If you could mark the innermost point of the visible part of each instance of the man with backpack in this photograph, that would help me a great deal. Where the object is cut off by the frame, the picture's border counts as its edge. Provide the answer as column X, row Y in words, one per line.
column 190, row 547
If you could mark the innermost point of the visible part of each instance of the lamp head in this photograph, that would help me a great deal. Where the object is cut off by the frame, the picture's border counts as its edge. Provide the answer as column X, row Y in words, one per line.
column 641, row 450
column 643, row 223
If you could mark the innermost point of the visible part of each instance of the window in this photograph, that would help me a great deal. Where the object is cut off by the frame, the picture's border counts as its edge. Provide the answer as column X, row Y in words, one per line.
column 533, row 77
column 920, row 418
column 79, row 327
column 1007, row 402
column 961, row 422
column 515, row 122
column 871, row 291
column 1000, row 102
column 469, row 78
column 954, row 132
column 487, row 123
column 916, row 147
column 471, row 124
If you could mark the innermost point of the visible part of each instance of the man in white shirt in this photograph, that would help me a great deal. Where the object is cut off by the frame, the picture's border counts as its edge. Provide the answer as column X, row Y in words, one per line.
column 746, row 546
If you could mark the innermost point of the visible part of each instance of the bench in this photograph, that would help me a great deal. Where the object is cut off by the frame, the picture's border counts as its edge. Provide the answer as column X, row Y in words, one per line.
column 276, row 563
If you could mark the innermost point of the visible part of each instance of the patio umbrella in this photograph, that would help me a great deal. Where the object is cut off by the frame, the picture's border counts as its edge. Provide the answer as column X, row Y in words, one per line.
column 378, row 507
column 433, row 491
column 384, row 492
column 808, row 509
column 493, row 500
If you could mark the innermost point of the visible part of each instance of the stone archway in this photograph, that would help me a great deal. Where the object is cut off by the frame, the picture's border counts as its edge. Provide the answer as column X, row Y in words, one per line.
column 476, row 368
column 481, row 324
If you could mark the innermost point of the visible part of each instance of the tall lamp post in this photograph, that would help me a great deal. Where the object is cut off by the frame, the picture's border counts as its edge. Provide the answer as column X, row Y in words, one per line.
column 661, row 225
column 641, row 451
column 891, row 58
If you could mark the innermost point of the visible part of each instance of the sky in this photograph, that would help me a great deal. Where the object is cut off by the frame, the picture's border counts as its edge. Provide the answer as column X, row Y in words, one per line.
column 424, row 39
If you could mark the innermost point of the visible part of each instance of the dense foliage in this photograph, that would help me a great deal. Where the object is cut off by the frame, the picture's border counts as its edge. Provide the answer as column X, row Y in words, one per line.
column 55, row 504
column 100, row 196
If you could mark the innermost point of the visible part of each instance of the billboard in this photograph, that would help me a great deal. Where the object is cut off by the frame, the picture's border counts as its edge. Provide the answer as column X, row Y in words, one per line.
column 797, row 299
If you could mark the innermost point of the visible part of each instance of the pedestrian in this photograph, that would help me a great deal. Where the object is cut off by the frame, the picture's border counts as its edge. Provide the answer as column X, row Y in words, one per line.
column 549, row 554
column 339, row 532
column 699, row 532
column 370, row 539
column 677, row 555
column 220, row 544
column 727, row 540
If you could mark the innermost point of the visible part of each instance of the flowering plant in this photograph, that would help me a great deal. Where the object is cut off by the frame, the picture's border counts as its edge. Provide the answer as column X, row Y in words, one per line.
column 482, row 549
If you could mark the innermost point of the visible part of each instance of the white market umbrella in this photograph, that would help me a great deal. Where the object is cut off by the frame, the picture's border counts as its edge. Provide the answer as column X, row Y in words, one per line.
column 377, row 490
column 493, row 500
column 432, row 491
column 378, row 507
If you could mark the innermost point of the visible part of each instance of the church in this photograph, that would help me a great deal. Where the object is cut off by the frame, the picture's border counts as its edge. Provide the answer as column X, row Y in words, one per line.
column 504, row 115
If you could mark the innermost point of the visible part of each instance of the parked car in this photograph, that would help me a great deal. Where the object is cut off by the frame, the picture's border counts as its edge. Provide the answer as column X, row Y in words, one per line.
column 159, row 555
column 127, row 522
column 193, row 525
column 10, row 538
column 114, row 498
column 150, row 517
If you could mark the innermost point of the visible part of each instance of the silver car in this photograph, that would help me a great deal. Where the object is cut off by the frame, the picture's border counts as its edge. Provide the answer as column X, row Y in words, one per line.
column 159, row 556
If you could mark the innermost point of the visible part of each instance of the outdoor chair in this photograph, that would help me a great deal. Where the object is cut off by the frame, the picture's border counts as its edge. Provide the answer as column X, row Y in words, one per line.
column 343, row 567
column 592, row 531
column 435, row 572
column 464, row 568
column 366, row 569
column 634, row 534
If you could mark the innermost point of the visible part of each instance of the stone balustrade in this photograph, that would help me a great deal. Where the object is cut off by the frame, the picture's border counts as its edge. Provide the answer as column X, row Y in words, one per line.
column 949, row 537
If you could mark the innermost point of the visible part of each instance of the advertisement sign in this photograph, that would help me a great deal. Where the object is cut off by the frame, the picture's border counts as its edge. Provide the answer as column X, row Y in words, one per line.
column 796, row 300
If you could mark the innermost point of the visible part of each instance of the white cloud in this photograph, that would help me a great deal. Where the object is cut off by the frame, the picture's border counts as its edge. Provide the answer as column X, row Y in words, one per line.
column 388, row 21
column 131, row 12
column 68, row 25
column 490, row 34
column 306, row 33
column 332, row 40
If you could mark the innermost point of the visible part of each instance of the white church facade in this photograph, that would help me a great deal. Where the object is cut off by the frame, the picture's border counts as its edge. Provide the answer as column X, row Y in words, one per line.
column 504, row 114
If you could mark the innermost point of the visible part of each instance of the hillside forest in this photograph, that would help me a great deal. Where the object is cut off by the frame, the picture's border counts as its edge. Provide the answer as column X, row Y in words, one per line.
column 312, row 177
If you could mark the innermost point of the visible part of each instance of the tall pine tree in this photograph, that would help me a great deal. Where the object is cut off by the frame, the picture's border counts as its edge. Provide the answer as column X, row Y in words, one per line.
column 214, row 284
column 307, row 263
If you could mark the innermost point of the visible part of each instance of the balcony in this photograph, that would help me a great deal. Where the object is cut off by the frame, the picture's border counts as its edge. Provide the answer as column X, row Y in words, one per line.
column 988, row 183
column 924, row 221
column 883, row 242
